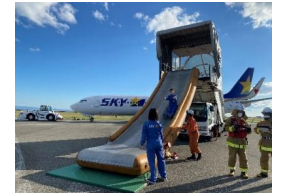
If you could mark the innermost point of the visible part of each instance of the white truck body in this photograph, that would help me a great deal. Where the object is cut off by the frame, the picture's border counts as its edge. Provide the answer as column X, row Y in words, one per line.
column 45, row 112
column 207, row 119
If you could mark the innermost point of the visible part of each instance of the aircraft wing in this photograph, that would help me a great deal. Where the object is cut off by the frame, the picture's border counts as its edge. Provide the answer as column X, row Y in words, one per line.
column 248, row 103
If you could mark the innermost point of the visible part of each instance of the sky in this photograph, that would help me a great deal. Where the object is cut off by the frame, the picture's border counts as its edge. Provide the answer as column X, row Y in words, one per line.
column 68, row 51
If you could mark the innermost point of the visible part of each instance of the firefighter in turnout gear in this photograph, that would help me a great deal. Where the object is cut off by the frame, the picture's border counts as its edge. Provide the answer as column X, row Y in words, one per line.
column 265, row 144
column 237, row 142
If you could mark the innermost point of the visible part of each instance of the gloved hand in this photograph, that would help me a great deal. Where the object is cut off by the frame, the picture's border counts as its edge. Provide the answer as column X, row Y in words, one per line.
column 249, row 130
column 236, row 127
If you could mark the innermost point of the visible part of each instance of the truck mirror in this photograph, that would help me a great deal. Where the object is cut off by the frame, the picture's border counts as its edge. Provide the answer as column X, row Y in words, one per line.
column 211, row 108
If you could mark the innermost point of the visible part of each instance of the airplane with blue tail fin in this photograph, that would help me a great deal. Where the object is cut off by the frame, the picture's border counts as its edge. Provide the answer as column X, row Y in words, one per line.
column 242, row 87
column 129, row 105
column 230, row 104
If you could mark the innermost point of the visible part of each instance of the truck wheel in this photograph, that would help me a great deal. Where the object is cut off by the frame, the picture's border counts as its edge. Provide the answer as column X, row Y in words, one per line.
column 213, row 134
column 208, row 138
column 203, row 139
column 51, row 117
column 31, row 117
column 182, row 137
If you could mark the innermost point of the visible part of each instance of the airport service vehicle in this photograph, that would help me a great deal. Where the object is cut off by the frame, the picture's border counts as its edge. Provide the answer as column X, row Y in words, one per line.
column 199, row 48
column 45, row 112
column 206, row 118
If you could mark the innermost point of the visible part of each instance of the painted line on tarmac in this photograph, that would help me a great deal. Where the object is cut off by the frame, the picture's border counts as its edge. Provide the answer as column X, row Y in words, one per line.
column 22, row 185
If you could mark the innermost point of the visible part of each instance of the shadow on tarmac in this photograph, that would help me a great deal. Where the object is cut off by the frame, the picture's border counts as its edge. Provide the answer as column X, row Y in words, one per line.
column 214, row 181
column 256, row 189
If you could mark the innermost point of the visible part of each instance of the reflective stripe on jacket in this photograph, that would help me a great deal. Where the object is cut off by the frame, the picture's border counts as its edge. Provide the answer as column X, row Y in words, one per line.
column 266, row 134
column 236, row 145
column 269, row 149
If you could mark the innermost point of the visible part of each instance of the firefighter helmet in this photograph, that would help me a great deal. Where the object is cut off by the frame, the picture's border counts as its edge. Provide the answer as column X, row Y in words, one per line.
column 191, row 112
column 267, row 110
column 239, row 107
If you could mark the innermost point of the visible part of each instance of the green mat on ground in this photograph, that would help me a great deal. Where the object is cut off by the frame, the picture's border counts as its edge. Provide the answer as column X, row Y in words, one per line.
column 118, row 182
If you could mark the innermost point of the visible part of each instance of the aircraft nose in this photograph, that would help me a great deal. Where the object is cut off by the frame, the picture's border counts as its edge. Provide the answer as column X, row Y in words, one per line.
column 74, row 107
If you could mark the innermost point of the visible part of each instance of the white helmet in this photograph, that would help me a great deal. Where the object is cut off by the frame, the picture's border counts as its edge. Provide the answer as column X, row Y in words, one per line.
column 191, row 112
column 267, row 110
column 239, row 106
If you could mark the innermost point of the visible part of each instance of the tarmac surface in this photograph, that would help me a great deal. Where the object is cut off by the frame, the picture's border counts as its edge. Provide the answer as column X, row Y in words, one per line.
column 44, row 146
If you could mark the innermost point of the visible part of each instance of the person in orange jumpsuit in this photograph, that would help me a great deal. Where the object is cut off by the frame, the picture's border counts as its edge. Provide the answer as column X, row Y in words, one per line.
column 193, row 134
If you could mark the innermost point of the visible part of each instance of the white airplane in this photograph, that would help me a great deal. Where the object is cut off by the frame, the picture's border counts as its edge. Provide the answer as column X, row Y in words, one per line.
column 129, row 105
column 229, row 104
column 109, row 105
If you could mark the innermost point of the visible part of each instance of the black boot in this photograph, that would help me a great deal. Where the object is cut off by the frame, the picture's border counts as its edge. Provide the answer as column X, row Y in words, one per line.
column 262, row 175
column 199, row 156
column 244, row 175
column 192, row 157
column 231, row 173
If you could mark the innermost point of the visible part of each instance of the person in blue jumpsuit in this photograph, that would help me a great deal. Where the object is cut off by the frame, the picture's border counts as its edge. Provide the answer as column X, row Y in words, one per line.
column 152, row 133
column 173, row 105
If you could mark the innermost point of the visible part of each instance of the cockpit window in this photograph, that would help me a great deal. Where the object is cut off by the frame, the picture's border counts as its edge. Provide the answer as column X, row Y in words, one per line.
column 83, row 100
